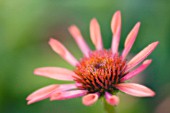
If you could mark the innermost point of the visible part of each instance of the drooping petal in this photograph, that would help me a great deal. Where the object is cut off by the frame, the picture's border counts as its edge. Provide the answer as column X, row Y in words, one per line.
column 133, row 73
column 141, row 55
column 116, row 30
column 95, row 34
column 76, row 34
column 68, row 94
column 62, row 51
column 41, row 94
column 112, row 99
column 55, row 73
column 90, row 99
column 130, row 40
column 36, row 99
column 47, row 91
column 135, row 89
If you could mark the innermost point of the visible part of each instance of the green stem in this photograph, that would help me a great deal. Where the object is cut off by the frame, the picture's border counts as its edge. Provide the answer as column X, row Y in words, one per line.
column 108, row 108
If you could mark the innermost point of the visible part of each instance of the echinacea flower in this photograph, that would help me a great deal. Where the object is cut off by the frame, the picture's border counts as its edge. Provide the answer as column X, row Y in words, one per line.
column 100, row 72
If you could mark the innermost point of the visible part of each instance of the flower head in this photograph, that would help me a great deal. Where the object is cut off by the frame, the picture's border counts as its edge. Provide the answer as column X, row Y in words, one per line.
column 100, row 72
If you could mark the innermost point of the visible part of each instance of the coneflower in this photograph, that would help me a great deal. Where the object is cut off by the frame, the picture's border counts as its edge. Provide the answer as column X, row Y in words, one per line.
column 100, row 72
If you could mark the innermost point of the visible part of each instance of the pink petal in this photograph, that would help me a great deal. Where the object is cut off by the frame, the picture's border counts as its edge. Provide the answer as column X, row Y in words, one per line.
column 36, row 99
column 135, row 89
column 62, row 51
column 55, row 73
column 95, row 34
column 112, row 99
column 41, row 94
column 47, row 91
column 68, row 94
column 116, row 21
column 75, row 32
column 90, row 99
column 133, row 73
column 116, row 30
column 130, row 40
column 141, row 55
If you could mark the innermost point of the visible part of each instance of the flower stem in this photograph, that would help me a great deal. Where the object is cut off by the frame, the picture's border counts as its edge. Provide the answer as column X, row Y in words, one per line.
column 108, row 108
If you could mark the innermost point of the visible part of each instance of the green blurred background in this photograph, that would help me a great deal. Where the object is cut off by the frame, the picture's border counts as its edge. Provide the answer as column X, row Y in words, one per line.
column 27, row 25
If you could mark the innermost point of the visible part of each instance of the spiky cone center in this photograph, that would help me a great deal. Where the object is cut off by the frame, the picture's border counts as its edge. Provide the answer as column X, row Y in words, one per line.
column 99, row 72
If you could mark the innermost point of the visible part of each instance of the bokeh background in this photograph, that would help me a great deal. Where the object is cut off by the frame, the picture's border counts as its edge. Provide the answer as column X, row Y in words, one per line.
column 27, row 25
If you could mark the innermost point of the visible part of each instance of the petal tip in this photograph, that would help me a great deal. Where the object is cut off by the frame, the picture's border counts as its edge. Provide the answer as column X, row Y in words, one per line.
column 152, row 93
column 114, row 100
column 89, row 99
column 156, row 43
column 138, row 24
column 30, row 102
column 93, row 20
column 28, row 98
column 147, row 61
column 39, row 71
column 74, row 31
column 118, row 12
column 111, row 99
column 72, row 27
column 117, row 15
column 51, row 40
column 36, row 71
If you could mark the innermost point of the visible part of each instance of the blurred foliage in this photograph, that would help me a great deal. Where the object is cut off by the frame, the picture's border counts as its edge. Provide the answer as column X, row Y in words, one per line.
column 27, row 25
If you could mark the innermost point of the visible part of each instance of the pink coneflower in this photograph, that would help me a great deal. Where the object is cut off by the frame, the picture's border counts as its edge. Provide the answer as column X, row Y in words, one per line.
column 100, row 72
